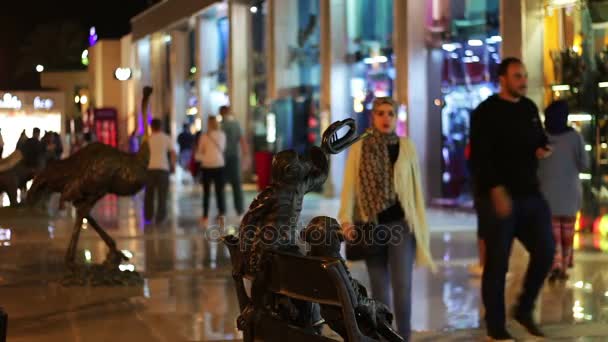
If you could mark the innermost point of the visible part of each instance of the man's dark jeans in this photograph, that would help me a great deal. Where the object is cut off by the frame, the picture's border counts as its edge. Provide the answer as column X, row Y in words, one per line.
column 157, row 186
column 530, row 222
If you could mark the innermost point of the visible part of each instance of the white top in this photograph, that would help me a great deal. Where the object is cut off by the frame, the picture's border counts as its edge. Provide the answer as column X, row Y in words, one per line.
column 160, row 146
column 210, row 150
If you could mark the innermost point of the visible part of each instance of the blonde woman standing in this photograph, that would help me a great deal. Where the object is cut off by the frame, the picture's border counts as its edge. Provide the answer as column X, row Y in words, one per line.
column 382, row 189
column 210, row 155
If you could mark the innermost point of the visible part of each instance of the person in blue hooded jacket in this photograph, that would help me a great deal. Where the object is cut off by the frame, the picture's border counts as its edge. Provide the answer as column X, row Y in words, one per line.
column 560, row 184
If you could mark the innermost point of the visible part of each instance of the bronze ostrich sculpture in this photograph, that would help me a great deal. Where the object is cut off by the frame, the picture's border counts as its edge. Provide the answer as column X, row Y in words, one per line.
column 87, row 176
column 18, row 169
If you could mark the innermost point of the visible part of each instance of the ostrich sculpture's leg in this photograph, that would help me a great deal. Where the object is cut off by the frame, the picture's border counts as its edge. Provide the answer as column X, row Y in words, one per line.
column 82, row 211
column 115, row 257
column 70, row 257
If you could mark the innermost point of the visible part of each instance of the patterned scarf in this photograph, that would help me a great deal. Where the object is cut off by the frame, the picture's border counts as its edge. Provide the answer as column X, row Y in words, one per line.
column 377, row 191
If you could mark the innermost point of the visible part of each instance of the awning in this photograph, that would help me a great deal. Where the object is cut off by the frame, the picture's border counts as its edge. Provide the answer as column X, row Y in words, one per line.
column 165, row 14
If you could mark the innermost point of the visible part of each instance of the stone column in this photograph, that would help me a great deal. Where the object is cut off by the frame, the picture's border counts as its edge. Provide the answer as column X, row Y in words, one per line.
column 207, row 64
column 143, row 78
column 282, row 33
column 179, row 71
column 521, row 26
column 239, row 55
column 532, row 37
column 411, row 86
column 127, row 111
column 157, row 66
column 334, row 80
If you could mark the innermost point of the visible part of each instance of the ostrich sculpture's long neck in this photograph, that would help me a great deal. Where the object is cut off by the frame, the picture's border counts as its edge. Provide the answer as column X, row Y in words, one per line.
column 143, row 155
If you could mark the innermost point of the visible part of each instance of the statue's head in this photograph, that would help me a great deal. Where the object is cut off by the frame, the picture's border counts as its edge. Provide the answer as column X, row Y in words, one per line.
column 286, row 168
column 290, row 168
column 324, row 236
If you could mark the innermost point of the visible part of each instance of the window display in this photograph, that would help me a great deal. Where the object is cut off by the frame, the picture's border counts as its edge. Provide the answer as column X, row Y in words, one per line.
column 372, row 70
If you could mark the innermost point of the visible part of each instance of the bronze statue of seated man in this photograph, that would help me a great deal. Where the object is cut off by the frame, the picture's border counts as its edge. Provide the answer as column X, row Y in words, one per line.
column 324, row 236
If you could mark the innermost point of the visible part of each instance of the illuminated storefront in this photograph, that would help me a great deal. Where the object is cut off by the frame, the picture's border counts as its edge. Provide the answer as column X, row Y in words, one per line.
column 370, row 46
column 465, row 48
column 576, row 68
column 21, row 111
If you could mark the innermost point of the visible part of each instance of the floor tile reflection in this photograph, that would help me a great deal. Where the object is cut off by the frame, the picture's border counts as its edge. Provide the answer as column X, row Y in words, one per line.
column 188, row 293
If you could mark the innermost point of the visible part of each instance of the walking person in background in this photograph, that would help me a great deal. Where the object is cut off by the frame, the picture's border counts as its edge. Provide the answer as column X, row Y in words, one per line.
column 560, row 184
column 507, row 140
column 162, row 162
column 185, row 142
column 235, row 149
column 210, row 155
column 195, row 166
column 22, row 140
column 58, row 145
column 382, row 189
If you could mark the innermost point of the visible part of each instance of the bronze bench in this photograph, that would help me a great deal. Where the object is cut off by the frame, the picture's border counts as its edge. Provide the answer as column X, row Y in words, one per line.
column 309, row 279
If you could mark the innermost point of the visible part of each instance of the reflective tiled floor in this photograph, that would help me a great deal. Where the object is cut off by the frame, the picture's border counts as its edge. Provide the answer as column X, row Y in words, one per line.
column 188, row 294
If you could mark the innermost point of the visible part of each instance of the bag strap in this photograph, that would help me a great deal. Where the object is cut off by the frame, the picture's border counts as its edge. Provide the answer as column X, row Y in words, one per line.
column 217, row 146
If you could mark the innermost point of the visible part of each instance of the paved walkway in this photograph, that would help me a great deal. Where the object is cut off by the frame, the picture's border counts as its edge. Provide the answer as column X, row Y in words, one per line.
column 188, row 294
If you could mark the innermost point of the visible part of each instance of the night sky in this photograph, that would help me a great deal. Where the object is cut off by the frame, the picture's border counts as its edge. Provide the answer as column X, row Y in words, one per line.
column 19, row 18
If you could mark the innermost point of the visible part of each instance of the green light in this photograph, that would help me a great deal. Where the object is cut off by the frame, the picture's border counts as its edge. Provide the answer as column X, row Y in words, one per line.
column 193, row 70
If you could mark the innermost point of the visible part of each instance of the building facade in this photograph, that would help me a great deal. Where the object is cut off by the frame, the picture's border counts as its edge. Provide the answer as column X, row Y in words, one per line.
column 288, row 68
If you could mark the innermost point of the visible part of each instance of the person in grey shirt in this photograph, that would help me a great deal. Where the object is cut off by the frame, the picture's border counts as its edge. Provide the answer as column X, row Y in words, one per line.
column 236, row 148
column 560, row 184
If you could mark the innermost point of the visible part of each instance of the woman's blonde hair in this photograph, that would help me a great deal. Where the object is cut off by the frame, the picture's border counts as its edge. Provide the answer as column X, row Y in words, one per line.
column 212, row 124
column 379, row 101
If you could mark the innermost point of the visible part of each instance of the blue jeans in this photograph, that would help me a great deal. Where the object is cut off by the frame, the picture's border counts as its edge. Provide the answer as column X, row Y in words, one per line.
column 391, row 276
column 530, row 222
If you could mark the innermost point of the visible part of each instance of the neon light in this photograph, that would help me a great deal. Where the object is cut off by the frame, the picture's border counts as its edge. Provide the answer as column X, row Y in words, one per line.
column 93, row 36
column 579, row 117
column 271, row 124
column 450, row 47
column 40, row 103
column 10, row 102
column 375, row 60
column 560, row 87
column 123, row 74
column 84, row 58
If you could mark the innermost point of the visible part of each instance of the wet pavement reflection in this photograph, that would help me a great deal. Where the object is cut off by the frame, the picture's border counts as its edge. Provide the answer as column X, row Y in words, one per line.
column 188, row 294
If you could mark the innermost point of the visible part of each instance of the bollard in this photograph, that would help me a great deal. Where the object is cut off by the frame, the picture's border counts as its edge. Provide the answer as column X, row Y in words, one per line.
column 3, row 325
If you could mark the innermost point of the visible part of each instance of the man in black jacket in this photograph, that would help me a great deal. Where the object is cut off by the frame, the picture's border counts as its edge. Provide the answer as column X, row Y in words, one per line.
column 507, row 140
